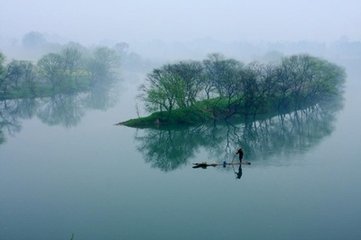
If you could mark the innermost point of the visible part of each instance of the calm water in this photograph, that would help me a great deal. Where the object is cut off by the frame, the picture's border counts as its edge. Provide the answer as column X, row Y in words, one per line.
column 66, row 169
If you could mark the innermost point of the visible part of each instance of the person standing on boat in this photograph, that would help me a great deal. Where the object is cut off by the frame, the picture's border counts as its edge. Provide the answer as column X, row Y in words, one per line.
column 240, row 153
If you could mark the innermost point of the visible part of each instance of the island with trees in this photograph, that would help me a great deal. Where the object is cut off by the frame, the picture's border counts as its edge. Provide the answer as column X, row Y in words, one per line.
column 218, row 88
column 73, row 69
column 57, row 86
column 264, row 139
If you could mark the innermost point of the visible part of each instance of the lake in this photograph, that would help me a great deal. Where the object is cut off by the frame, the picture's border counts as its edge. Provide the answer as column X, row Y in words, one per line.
column 66, row 170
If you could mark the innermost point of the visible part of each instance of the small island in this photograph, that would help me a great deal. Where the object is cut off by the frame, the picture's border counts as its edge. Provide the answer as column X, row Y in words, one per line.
column 218, row 88
column 72, row 69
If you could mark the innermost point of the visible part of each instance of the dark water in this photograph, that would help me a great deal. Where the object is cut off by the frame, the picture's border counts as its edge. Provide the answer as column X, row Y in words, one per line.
column 66, row 169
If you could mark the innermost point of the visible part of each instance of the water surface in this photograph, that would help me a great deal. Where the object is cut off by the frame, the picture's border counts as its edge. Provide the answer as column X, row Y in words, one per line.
column 66, row 169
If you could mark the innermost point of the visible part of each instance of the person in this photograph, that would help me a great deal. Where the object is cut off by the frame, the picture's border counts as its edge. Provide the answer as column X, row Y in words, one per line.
column 240, row 152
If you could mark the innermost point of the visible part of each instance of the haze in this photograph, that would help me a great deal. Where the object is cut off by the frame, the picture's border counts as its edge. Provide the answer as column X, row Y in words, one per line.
column 227, row 20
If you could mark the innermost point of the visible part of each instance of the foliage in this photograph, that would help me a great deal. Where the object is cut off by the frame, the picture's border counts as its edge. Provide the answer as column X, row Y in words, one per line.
column 102, row 62
column 262, row 139
column 73, row 69
column 20, row 77
column 219, row 87
column 65, row 109
column 2, row 73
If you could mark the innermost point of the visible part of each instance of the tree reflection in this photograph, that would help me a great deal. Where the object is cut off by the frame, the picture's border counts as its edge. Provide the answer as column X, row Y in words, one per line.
column 281, row 134
column 61, row 109
column 65, row 110
column 101, row 95
column 169, row 149
column 8, row 122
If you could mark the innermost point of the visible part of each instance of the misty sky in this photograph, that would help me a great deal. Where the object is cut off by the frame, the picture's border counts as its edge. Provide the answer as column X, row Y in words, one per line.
column 140, row 20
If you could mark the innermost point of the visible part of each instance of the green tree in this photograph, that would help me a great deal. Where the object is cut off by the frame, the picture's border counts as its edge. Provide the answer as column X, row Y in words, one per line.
column 2, row 75
column 223, row 78
column 2, row 67
column 231, row 87
column 161, row 90
column 258, row 88
column 51, row 68
column 21, row 77
column 190, row 80
column 303, row 79
column 71, row 60
column 102, row 63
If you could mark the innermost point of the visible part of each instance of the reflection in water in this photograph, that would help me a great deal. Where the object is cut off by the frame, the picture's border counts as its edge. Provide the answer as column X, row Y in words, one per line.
column 261, row 139
column 168, row 149
column 205, row 165
column 65, row 110
column 101, row 96
column 239, row 173
column 8, row 121
column 61, row 109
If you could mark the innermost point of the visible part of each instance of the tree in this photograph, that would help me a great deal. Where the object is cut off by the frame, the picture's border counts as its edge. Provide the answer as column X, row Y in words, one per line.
column 2, row 74
column 161, row 90
column 2, row 60
column 21, row 76
column 258, row 85
column 298, row 73
column 328, row 79
column 71, row 59
column 212, row 67
column 189, row 75
column 51, row 68
column 102, row 63
column 303, row 79
column 231, row 87
column 223, row 77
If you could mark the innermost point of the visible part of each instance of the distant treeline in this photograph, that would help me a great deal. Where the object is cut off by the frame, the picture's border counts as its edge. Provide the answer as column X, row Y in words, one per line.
column 219, row 87
column 73, row 69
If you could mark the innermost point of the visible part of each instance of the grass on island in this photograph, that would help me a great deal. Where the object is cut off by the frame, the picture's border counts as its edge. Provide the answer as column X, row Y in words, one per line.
column 201, row 112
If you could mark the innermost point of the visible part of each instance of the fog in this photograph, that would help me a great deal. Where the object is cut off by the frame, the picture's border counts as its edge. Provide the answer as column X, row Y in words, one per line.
column 168, row 20
column 67, row 172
